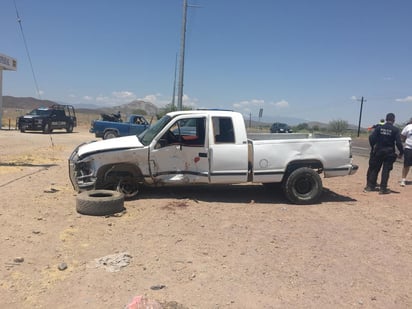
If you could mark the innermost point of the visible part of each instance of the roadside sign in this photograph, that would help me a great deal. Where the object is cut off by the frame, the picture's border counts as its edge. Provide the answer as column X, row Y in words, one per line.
column 8, row 63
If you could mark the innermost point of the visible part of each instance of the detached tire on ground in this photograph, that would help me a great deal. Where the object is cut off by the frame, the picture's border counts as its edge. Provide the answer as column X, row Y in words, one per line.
column 303, row 186
column 99, row 202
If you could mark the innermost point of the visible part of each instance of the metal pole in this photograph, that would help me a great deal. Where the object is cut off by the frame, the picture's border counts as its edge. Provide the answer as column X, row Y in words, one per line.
column 182, row 58
column 174, row 87
column 360, row 116
column 1, row 97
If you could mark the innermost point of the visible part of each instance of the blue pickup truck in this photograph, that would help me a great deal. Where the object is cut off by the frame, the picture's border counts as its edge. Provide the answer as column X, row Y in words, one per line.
column 109, row 129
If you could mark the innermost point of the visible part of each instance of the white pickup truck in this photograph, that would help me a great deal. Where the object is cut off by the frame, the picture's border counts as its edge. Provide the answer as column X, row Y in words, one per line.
column 211, row 147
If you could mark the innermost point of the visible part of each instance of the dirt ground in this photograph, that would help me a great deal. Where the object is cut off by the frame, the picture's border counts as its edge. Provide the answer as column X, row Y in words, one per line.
column 197, row 247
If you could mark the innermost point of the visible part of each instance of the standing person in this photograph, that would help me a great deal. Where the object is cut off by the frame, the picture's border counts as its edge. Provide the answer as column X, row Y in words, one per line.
column 406, row 136
column 371, row 155
column 382, row 141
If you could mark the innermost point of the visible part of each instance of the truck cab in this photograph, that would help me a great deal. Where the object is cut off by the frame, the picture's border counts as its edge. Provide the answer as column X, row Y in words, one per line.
column 200, row 147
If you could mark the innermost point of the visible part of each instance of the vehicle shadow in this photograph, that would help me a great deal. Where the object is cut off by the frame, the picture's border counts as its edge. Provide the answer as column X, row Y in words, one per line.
column 27, row 164
column 52, row 133
column 331, row 196
column 233, row 194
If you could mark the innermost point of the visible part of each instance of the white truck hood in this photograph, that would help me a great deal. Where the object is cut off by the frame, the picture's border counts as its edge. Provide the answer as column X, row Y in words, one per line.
column 110, row 144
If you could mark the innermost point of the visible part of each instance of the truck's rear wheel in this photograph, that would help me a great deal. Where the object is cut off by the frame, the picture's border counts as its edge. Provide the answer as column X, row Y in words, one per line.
column 109, row 134
column 303, row 186
column 69, row 128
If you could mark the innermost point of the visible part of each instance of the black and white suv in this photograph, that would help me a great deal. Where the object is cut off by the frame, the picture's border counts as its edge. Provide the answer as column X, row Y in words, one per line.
column 278, row 127
column 47, row 119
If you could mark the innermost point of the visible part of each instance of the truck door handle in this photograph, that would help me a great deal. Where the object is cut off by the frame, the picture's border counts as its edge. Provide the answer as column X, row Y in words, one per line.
column 203, row 154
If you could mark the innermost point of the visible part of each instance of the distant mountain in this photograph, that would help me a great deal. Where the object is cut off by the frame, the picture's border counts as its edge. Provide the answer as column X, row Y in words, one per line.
column 134, row 107
column 25, row 102
column 30, row 103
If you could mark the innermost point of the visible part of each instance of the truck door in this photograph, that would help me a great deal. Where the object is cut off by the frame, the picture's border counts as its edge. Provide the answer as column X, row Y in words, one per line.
column 58, row 119
column 181, row 156
column 228, row 152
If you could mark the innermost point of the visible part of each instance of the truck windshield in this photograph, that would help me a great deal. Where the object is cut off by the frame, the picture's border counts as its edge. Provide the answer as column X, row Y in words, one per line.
column 40, row 112
column 148, row 135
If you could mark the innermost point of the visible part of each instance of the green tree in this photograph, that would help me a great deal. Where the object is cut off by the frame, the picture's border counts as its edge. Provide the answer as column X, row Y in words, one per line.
column 302, row 126
column 315, row 128
column 338, row 126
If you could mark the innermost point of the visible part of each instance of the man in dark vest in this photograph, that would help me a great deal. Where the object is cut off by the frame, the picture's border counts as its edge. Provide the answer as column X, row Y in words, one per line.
column 382, row 141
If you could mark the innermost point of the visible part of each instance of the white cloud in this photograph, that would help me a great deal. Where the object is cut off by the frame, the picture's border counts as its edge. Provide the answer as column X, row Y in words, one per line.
column 188, row 101
column 103, row 99
column 126, row 95
column 157, row 99
column 354, row 98
column 248, row 103
column 406, row 99
column 149, row 98
column 249, row 106
column 257, row 102
column 281, row 104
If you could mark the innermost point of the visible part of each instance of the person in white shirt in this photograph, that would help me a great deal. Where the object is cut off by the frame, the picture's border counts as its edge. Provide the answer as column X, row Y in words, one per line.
column 406, row 136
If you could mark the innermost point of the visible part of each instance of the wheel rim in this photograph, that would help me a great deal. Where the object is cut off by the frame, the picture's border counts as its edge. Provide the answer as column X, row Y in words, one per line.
column 110, row 135
column 128, row 187
column 304, row 185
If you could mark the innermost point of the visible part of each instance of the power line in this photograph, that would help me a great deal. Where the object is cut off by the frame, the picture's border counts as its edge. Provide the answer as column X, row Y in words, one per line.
column 27, row 49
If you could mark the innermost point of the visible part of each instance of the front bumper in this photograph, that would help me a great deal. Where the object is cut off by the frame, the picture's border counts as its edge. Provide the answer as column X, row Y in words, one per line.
column 81, row 178
column 31, row 126
column 72, row 176
column 353, row 169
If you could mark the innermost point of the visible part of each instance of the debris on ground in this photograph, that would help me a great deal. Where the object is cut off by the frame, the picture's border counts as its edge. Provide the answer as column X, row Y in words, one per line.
column 113, row 262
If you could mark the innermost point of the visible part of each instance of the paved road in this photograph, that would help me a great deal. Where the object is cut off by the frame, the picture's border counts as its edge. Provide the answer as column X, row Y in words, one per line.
column 360, row 147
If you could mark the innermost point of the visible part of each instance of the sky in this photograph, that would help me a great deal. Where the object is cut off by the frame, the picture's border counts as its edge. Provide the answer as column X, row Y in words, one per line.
column 295, row 59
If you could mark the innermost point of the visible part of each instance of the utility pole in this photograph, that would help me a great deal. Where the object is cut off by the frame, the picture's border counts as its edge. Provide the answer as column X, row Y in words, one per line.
column 174, row 87
column 182, row 58
column 360, row 115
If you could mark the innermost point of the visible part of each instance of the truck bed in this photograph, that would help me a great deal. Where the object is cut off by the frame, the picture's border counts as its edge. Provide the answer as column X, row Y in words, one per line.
column 283, row 136
column 269, row 154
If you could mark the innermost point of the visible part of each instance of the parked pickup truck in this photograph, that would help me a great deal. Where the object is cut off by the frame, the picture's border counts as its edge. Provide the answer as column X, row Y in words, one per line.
column 214, row 150
column 110, row 129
